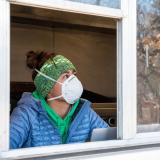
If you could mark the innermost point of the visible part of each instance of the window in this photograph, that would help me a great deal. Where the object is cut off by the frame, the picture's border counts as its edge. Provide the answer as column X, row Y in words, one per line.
column 148, row 66
column 126, row 73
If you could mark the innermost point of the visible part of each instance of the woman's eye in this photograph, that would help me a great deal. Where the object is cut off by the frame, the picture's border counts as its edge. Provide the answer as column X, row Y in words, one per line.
column 66, row 76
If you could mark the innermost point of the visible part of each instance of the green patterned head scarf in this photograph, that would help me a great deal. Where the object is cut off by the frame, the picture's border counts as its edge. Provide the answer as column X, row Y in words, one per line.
column 53, row 68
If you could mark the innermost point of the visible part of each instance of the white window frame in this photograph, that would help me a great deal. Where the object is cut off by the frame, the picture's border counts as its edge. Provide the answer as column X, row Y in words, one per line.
column 5, row 74
column 126, row 76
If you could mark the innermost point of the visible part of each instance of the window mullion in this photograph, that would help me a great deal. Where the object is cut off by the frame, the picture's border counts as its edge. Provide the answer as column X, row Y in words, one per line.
column 126, row 70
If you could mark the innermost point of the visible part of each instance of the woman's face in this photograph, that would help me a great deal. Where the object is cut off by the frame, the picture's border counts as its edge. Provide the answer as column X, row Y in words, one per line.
column 56, row 90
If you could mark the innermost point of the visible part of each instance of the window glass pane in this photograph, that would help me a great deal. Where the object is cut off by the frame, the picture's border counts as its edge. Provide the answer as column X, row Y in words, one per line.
column 106, row 3
column 148, row 70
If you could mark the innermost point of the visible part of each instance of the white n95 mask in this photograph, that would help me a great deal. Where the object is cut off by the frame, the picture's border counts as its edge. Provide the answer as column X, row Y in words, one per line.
column 71, row 89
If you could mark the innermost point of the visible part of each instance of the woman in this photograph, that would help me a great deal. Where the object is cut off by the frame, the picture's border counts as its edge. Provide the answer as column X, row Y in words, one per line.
column 54, row 113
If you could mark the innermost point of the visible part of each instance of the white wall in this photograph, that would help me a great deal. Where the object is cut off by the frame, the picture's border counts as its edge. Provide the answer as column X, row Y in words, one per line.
column 93, row 53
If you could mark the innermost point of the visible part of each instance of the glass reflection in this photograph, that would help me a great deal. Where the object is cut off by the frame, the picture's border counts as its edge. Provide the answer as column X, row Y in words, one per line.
column 106, row 3
column 148, row 69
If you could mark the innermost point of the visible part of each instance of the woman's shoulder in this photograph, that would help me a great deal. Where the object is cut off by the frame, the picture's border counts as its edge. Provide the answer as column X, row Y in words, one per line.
column 86, row 105
column 85, row 102
column 27, row 104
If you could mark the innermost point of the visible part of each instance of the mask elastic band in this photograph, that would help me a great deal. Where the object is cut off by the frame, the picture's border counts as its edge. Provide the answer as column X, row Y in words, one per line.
column 44, row 75
column 50, row 99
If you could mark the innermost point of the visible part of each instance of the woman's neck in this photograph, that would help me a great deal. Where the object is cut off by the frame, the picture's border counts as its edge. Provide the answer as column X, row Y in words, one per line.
column 60, row 107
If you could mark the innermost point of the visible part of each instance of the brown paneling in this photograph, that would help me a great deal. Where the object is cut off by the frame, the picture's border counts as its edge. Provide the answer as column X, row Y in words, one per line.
column 61, row 16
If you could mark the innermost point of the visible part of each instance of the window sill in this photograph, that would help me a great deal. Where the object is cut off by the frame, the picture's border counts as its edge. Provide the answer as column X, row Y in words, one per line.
column 80, row 148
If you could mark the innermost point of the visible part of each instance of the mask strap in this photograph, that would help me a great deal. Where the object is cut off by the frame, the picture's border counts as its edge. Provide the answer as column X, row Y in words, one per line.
column 51, row 99
column 44, row 75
